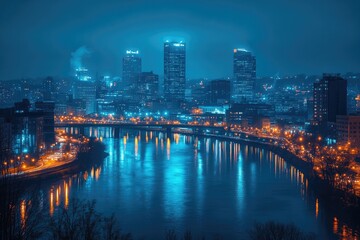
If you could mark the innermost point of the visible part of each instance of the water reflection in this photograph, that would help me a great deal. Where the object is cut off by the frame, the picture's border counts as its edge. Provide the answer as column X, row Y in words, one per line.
column 200, row 184
column 136, row 146
column 59, row 194
column 168, row 148
column 51, row 204
column 58, row 190
column 23, row 213
column 199, row 164
column 335, row 225
column 240, row 185
column 66, row 194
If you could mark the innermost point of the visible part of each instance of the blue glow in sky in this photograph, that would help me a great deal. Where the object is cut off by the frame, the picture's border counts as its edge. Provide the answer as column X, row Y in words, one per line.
column 37, row 37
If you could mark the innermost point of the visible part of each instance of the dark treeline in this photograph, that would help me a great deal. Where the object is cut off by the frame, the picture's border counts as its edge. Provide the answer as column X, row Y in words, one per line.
column 22, row 217
column 80, row 221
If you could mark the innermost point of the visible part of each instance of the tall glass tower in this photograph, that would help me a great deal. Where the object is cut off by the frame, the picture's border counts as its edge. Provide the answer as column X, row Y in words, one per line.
column 330, row 98
column 244, row 76
column 131, row 68
column 174, row 70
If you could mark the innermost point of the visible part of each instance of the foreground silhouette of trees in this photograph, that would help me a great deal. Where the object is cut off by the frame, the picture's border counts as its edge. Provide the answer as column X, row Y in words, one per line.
column 20, row 215
column 80, row 220
column 23, row 215
column 277, row 231
column 259, row 231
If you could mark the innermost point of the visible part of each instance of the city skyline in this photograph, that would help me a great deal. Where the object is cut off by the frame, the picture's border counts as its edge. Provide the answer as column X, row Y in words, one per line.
column 85, row 74
column 207, row 119
column 278, row 34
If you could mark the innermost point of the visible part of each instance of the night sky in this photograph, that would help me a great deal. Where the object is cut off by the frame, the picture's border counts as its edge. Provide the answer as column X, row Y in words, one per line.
column 287, row 37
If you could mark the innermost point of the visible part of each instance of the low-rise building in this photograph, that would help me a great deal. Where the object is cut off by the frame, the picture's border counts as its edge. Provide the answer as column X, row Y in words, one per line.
column 250, row 115
column 22, row 130
column 348, row 129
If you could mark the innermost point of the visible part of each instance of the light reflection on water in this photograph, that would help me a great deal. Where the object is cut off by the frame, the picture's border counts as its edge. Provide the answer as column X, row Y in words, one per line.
column 153, row 182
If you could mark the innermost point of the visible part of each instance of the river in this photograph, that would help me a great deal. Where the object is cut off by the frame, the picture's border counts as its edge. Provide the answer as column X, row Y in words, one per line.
column 153, row 183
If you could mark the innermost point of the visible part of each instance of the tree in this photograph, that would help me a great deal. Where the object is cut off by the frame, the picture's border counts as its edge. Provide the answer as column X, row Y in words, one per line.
column 277, row 231
column 81, row 221
column 20, row 216
column 337, row 171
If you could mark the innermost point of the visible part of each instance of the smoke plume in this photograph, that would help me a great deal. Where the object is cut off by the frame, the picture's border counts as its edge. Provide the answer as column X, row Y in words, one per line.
column 77, row 56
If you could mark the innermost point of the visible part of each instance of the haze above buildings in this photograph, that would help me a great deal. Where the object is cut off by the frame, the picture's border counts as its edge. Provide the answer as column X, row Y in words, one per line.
column 39, row 37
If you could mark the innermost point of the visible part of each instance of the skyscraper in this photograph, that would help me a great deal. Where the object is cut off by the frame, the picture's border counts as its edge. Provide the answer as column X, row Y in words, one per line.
column 48, row 88
column 330, row 99
column 174, row 71
column 244, row 64
column 149, row 87
column 82, row 74
column 86, row 91
column 219, row 91
column 131, row 68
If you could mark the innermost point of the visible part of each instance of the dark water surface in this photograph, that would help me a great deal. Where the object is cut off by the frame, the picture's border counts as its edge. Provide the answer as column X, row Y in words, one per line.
column 153, row 183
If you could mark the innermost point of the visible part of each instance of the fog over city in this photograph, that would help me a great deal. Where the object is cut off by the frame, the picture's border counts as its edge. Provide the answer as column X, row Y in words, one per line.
column 230, row 119
column 39, row 37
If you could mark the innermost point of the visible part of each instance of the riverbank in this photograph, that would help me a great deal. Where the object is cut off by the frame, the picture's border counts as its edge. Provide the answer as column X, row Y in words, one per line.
column 123, row 172
column 94, row 154
column 345, row 205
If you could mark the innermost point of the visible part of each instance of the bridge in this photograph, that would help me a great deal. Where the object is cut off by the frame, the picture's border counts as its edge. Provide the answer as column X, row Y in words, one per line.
column 152, row 126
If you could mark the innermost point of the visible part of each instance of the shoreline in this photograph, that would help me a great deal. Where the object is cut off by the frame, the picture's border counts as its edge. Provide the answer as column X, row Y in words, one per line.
column 81, row 162
column 343, row 204
column 305, row 167
column 333, row 199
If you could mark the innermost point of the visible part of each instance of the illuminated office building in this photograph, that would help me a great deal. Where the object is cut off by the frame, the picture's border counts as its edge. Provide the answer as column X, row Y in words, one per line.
column 86, row 91
column 148, row 88
column 46, row 108
column 219, row 91
column 329, row 99
column 174, row 71
column 244, row 67
column 48, row 88
column 82, row 74
column 131, row 68
column 26, row 129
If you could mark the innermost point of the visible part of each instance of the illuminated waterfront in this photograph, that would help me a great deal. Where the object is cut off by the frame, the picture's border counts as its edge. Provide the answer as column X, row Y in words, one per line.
column 153, row 183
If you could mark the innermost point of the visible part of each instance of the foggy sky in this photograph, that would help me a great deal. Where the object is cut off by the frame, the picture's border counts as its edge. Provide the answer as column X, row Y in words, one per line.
column 38, row 37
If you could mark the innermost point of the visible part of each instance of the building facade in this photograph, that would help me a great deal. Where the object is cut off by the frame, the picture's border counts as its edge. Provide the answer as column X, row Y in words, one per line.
column 86, row 91
column 131, row 68
column 21, row 130
column 174, row 71
column 348, row 129
column 5, row 139
column 219, row 91
column 244, row 70
column 250, row 114
column 48, row 87
column 149, row 86
column 330, row 99
column 47, row 109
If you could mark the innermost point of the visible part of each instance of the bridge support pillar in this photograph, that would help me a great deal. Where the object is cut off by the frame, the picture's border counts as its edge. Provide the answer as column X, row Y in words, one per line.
column 82, row 130
column 116, row 132
column 198, row 131
column 228, row 130
column 168, row 132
